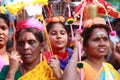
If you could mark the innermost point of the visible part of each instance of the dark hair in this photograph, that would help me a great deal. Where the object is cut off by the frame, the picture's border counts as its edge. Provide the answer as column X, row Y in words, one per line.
column 115, row 21
column 38, row 34
column 88, row 32
column 9, row 44
column 74, row 27
column 50, row 25
column 5, row 18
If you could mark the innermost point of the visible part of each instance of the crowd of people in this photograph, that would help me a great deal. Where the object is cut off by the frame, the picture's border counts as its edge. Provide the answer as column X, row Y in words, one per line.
column 34, row 60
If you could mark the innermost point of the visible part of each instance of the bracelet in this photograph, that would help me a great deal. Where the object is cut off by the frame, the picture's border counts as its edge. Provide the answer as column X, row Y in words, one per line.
column 80, row 65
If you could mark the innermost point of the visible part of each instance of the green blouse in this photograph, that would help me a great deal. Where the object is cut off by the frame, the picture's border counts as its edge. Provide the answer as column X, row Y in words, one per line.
column 4, row 72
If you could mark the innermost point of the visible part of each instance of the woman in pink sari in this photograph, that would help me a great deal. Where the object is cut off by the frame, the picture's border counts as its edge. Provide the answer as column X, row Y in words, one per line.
column 4, row 32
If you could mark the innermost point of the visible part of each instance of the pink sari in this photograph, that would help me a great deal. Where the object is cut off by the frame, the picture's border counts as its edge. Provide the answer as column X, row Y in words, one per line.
column 2, row 62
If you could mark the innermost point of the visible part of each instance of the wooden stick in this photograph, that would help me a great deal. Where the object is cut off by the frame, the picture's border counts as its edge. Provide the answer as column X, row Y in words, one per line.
column 47, row 37
column 14, row 30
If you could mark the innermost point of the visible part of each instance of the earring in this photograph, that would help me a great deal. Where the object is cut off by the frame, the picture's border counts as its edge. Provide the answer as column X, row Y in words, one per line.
column 40, row 57
column 41, row 51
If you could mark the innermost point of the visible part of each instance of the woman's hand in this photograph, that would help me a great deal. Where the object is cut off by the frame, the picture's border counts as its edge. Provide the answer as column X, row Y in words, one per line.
column 14, row 60
column 55, row 65
column 54, row 62
column 116, row 52
column 78, row 40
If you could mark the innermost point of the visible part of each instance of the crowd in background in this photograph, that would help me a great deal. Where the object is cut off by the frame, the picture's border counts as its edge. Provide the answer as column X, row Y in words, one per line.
column 56, row 50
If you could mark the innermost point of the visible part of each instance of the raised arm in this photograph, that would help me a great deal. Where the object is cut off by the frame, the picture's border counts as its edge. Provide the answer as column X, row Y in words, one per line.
column 14, row 59
column 70, row 72
column 116, row 52
column 55, row 64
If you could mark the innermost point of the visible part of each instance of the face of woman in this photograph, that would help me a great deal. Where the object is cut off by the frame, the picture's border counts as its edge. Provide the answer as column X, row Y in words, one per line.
column 58, row 37
column 28, row 47
column 98, row 43
column 4, row 31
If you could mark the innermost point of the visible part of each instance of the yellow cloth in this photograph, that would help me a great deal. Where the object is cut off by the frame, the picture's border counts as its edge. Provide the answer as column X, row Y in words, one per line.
column 90, row 73
column 41, row 72
column 13, row 8
column 44, row 2
column 108, row 67
column 2, row 9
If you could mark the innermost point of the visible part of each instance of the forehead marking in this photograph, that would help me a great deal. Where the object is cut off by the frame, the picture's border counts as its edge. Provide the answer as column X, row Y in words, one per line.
column 100, row 33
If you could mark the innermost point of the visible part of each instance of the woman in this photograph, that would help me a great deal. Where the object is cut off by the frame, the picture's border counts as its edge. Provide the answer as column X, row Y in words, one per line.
column 4, row 32
column 30, row 42
column 96, row 44
column 58, row 37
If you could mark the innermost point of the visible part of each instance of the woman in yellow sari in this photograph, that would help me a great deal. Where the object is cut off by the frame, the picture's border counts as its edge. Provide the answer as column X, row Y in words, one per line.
column 30, row 41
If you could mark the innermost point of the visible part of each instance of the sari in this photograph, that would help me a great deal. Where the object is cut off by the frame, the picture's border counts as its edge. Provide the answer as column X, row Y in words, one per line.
column 2, row 62
column 5, row 70
column 106, row 72
column 41, row 72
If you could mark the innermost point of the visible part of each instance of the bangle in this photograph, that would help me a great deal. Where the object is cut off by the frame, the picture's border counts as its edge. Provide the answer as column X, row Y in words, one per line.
column 80, row 65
